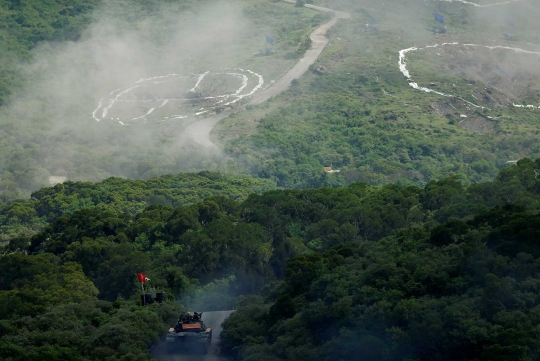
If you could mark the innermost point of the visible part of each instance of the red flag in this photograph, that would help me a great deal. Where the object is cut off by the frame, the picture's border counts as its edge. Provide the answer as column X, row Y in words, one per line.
column 142, row 277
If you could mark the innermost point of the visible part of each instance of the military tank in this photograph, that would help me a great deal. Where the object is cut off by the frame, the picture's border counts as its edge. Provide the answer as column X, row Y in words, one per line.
column 189, row 334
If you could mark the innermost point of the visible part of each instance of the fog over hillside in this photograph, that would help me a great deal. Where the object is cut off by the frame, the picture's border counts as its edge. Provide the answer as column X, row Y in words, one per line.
column 66, row 81
column 114, row 53
column 116, row 101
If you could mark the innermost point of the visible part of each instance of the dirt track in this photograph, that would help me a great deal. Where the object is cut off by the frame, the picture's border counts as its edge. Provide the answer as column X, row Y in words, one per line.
column 200, row 129
column 212, row 319
column 319, row 41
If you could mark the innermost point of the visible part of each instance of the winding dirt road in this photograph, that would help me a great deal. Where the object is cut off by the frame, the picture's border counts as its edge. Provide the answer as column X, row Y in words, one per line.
column 319, row 41
column 200, row 129
column 212, row 319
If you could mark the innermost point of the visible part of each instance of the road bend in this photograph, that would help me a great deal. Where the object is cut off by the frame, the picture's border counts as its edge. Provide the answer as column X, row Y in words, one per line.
column 199, row 130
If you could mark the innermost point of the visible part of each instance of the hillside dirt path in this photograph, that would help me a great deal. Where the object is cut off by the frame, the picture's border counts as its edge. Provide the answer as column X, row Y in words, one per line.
column 212, row 319
column 319, row 41
column 200, row 129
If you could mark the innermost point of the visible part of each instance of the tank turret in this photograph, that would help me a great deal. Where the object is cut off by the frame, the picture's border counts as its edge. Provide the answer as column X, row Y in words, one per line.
column 189, row 333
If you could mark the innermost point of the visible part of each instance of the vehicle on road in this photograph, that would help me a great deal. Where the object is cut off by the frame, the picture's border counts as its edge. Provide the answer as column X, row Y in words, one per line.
column 189, row 335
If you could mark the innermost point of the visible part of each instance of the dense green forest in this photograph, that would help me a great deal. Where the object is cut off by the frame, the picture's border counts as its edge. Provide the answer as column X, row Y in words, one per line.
column 382, row 265
column 26, row 217
column 424, row 246
column 462, row 288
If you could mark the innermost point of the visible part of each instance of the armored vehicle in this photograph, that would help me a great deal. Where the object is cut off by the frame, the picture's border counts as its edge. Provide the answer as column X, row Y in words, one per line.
column 189, row 335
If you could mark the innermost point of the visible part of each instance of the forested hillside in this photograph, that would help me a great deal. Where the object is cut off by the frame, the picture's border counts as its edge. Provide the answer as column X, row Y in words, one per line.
column 26, row 217
column 463, row 288
column 385, row 206
column 382, row 265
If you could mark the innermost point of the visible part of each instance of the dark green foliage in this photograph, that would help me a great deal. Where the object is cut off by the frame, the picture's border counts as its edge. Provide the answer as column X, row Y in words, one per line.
column 118, row 196
column 361, row 270
column 49, row 311
column 404, row 299
column 466, row 289
column 86, row 331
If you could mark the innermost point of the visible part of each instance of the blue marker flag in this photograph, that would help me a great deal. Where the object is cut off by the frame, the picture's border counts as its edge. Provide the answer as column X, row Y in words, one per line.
column 270, row 40
column 371, row 17
column 439, row 18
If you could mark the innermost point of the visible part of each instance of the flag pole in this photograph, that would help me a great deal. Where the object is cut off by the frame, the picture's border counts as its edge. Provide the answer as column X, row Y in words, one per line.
column 143, row 295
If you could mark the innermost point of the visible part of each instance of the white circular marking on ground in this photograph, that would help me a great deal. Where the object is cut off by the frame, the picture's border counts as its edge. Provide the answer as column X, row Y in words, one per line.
column 478, row 5
column 160, row 98
column 403, row 68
